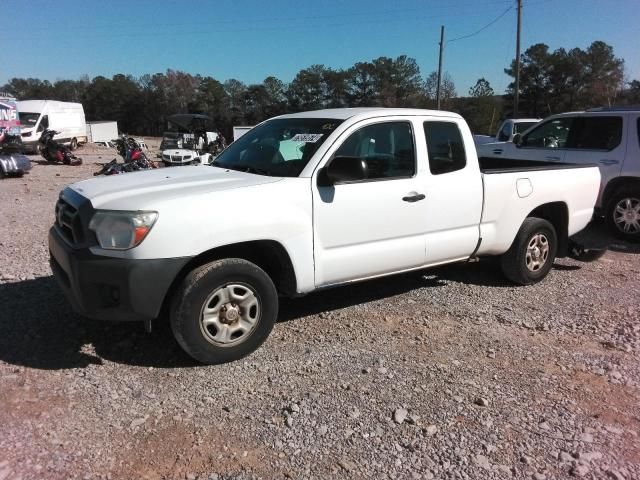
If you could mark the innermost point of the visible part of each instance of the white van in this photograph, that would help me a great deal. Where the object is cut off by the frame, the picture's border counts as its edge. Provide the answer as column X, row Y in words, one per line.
column 63, row 117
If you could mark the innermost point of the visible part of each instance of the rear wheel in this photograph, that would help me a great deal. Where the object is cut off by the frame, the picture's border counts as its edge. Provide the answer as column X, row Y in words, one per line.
column 623, row 215
column 532, row 253
column 224, row 310
column 74, row 144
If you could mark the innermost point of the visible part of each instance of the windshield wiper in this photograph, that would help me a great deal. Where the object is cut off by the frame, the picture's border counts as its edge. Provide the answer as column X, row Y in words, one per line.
column 249, row 169
column 242, row 168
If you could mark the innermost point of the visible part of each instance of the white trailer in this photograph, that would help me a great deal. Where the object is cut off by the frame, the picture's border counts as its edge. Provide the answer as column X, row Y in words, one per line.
column 67, row 118
column 102, row 131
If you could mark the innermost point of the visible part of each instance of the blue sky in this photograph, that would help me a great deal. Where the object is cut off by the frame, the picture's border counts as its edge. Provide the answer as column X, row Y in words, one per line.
column 251, row 39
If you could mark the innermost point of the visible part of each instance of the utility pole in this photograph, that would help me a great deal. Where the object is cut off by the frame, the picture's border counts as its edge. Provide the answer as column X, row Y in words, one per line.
column 516, row 96
column 440, row 66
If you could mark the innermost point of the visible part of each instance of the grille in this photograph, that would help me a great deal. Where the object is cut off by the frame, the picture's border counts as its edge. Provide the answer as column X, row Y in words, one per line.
column 68, row 222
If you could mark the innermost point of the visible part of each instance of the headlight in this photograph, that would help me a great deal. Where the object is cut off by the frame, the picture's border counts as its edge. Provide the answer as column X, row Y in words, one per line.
column 118, row 230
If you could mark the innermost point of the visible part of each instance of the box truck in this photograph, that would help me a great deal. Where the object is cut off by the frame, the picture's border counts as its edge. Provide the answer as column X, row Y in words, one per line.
column 66, row 118
column 105, row 131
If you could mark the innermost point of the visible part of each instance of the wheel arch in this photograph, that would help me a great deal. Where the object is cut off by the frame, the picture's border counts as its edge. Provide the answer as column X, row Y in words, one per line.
column 617, row 184
column 270, row 255
column 556, row 213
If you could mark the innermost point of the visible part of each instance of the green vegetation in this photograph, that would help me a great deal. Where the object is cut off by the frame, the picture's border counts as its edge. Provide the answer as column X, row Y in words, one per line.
column 551, row 82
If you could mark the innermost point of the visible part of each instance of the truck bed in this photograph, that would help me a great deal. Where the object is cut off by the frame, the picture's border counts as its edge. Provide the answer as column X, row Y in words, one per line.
column 522, row 186
column 490, row 165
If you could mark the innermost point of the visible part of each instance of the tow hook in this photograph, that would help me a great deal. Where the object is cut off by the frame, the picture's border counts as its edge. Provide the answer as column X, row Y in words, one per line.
column 582, row 253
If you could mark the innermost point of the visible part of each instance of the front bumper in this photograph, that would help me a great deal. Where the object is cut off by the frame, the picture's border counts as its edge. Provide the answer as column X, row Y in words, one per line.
column 106, row 288
column 179, row 157
column 30, row 146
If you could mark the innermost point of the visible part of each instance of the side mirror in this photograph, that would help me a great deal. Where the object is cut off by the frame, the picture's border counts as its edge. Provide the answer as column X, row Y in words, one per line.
column 343, row 170
column 517, row 140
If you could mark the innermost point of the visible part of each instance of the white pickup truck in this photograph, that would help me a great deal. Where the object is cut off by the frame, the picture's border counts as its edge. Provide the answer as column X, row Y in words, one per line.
column 364, row 193
column 508, row 129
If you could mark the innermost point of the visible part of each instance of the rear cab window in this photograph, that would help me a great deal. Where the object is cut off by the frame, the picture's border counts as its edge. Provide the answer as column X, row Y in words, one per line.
column 444, row 146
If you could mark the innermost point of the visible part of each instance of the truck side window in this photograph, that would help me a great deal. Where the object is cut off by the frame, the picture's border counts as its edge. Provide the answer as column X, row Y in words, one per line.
column 595, row 133
column 445, row 147
column 505, row 133
column 551, row 134
column 388, row 149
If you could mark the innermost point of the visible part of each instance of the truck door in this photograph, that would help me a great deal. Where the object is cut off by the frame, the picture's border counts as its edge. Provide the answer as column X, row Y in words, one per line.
column 377, row 225
column 547, row 142
column 597, row 140
column 453, row 189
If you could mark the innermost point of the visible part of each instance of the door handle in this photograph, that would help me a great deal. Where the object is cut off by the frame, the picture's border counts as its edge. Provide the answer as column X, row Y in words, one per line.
column 552, row 159
column 497, row 151
column 414, row 197
column 607, row 161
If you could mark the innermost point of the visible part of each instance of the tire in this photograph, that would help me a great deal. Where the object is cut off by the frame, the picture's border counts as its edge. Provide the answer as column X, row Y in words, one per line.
column 532, row 253
column 623, row 215
column 214, row 286
column 73, row 144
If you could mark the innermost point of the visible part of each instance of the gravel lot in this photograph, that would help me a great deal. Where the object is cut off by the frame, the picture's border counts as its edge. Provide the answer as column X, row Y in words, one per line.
column 447, row 373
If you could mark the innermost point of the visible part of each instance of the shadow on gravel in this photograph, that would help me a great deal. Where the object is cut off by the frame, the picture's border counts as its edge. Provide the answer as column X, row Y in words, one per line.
column 39, row 330
column 597, row 234
column 566, row 268
column 485, row 273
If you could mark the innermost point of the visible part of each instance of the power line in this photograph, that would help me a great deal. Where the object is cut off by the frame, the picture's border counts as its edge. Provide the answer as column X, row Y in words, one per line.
column 483, row 28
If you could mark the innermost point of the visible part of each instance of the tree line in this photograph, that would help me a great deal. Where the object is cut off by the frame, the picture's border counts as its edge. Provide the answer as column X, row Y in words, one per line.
column 550, row 82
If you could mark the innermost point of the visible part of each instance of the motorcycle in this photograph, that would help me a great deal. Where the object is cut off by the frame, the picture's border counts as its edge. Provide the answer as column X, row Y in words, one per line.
column 54, row 152
column 133, row 156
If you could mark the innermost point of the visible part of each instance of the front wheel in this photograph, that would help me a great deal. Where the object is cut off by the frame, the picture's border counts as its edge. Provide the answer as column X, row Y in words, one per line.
column 224, row 310
column 44, row 153
column 532, row 253
column 623, row 215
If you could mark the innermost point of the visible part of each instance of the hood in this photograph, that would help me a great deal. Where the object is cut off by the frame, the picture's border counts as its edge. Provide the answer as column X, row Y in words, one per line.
column 143, row 189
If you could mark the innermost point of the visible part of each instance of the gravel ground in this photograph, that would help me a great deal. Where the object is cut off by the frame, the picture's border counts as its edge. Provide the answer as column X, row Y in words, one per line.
column 448, row 373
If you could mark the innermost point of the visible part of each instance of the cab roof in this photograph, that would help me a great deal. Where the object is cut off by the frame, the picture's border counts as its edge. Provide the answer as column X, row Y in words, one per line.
column 367, row 112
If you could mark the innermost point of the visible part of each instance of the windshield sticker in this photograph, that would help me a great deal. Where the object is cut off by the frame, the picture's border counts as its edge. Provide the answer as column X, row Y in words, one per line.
column 307, row 137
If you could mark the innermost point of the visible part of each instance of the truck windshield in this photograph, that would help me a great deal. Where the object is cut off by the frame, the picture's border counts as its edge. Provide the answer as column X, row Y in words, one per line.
column 29, row 119
column 279, row 147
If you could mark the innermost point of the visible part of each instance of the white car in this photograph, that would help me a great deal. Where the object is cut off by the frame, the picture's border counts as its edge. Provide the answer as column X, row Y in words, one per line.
column 303, row 202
